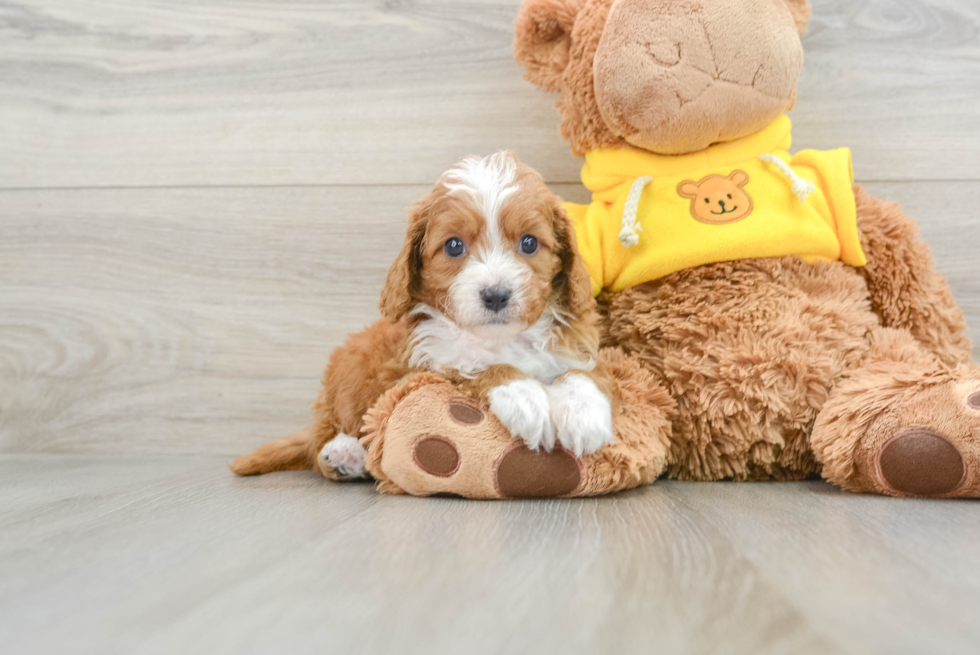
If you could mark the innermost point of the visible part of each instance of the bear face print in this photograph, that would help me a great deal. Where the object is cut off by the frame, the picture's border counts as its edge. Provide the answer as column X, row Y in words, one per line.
column 717, row 199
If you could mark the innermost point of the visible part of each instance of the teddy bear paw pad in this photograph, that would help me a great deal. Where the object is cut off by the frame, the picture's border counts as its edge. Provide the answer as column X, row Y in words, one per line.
column 465, row 414
column 437, row 456
column 922, row 462
column 524, row 473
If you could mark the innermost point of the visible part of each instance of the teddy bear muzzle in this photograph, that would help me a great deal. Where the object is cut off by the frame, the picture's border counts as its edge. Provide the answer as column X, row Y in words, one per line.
column 672, row 81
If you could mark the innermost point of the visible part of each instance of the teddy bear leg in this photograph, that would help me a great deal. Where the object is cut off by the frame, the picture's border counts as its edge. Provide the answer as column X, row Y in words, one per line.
column 439, row 441
column 903, row 424
column 435, row 440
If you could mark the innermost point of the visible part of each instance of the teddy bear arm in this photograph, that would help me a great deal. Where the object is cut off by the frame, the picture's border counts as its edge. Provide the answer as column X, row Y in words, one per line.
column 428, row 437
column 907, row 292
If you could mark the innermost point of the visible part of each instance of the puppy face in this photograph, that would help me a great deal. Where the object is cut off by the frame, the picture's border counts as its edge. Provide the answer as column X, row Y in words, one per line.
column 491, row 249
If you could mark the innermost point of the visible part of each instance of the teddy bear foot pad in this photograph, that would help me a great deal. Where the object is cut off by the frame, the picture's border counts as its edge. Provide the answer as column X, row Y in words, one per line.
column 451, row 455
column 524, row 473
column 924, row 442
column 519, row 473
column 922, row 462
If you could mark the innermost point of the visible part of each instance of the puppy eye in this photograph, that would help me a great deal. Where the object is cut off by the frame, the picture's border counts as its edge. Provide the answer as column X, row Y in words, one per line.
column 529, row 245
column 455, row 247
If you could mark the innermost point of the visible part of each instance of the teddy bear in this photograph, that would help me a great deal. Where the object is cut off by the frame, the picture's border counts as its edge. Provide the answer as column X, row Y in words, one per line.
column 765, row 317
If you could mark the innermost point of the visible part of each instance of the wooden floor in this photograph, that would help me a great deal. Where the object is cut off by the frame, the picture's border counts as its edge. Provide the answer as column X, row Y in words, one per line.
column 200, row 198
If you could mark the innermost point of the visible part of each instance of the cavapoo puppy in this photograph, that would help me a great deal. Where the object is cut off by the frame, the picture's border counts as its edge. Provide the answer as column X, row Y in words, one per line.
column 488, row 289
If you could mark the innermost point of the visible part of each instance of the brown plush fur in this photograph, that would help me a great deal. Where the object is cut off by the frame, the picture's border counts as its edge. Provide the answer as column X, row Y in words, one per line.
column 757, row 352
column 642, row 421
column 557, row 42
column 906, row 291
column 898, row 385
column 801, row 13
column 376, row 422
column 418, row 409
column 543, row 38
column 781, row 368
column 581, row 123
column 750, row 351
column 675, row 77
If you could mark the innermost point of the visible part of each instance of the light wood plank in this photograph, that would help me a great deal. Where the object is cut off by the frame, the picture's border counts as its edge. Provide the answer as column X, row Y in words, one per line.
column 173, row 554
column 896, row 81
column 206, row 571
column 905, row 566
column 200, row 320
column 192, row 93
column 139, row 313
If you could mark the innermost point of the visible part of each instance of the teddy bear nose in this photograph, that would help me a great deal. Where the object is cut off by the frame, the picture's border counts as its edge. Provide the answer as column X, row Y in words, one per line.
column 722, row 203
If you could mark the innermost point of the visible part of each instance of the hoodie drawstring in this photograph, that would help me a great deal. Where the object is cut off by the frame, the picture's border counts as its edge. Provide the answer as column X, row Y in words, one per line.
column 802, row 188
column 628, row 234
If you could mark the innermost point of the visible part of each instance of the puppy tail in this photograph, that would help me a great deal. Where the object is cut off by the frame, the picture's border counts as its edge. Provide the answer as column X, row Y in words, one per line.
column 292, row 453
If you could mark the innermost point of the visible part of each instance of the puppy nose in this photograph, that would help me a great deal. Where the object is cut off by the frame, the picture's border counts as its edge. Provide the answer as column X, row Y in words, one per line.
column 495, row 298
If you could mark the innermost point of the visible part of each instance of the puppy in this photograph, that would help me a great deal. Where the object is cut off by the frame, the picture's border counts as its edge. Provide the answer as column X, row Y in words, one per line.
column 488, row 290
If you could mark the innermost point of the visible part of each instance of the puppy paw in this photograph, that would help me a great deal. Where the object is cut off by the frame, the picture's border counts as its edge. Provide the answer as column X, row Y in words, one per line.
column 581, row 415
column 522, row 406
column 345, row 455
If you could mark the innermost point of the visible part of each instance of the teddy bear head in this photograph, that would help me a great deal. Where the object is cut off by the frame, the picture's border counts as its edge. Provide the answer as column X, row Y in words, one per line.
column 667, row 76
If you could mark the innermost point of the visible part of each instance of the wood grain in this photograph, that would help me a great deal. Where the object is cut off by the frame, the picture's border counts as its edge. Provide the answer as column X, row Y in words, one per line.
column 200, row 320
column 139, row 316
column 173, row 554
column 204, row 93
column 200, row 198
column 897, row 82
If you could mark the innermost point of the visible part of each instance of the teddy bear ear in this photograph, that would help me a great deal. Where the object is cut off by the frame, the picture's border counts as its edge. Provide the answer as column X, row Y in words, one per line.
column 801, row 13
column 687, row 189
column 740, row 178
column 542, row 39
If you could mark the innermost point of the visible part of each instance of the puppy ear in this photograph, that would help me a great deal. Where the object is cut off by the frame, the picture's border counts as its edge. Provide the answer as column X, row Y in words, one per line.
column 687, row 189
column 572, row 283
column 404, row 277
column 542, row 39
column 740, row 178
column 801, row 13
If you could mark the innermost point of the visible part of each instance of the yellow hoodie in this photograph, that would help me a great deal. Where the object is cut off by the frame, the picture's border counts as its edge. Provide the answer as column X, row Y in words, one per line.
column 652, row 215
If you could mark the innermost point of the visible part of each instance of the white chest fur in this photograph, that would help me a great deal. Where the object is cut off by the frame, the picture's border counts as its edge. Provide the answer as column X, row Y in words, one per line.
column 439, row 345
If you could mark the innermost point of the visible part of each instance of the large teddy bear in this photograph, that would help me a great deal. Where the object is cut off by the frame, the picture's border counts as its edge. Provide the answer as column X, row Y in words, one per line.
column 764, row 317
